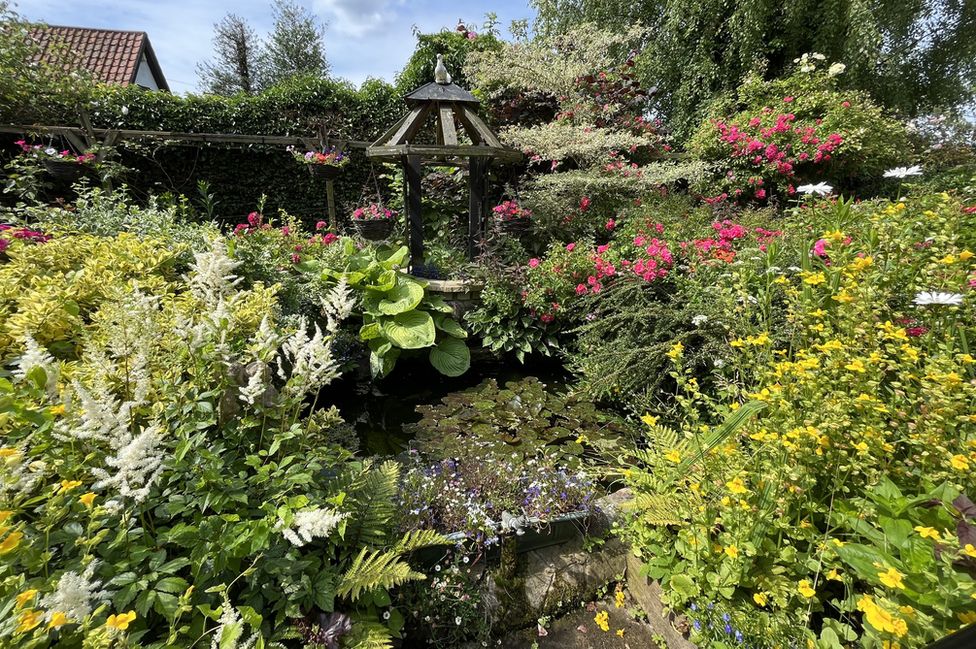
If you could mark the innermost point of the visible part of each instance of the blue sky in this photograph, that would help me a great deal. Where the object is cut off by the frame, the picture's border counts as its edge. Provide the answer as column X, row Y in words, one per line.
column 363, row 38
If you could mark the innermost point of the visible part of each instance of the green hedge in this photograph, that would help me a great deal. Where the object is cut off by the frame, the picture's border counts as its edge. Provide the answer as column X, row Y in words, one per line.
column 238, row 176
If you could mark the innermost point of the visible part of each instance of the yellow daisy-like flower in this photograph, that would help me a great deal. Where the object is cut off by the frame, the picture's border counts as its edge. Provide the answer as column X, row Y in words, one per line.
column 121, row 621
column 57, row 410
column 649, row 419
column 29, row 620
column 619, row 598
column 967, row 617
column 834, row 575
column 805, row 589
column 673, row 456
column 814, row 279
column 892, row 578
column 759, row 599
column 965, row 255
column 676, row 351
column 68, row 485
column 620, row 633
column 602, row 619
column 10, row 543
column 736, row 486
column 927, row 532
column 862, row 447
column 87, row 499
column 855, row 366
column 832, row 346
column 959, row 462
column 948, row 259
column 58, row 619
column 969, row 550
column 25, row 597
column 732, row 551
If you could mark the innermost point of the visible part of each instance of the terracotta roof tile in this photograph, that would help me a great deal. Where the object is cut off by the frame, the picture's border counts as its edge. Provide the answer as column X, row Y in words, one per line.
column 111, row 56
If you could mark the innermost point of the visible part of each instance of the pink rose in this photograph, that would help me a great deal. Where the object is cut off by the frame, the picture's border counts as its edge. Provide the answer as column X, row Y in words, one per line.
column 533, row 263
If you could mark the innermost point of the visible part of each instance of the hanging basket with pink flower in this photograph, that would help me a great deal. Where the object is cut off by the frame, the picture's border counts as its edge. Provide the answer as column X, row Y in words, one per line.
column 62, row 165
column 374, row 221
column 511, row 218
column 326, row 164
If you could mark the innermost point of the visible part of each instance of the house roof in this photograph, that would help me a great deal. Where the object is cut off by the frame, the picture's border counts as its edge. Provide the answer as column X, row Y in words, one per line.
column 110, row 55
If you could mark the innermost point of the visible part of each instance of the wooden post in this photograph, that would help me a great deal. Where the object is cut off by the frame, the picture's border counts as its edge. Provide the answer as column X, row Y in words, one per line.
column 412, row 201
column 330, row 193
column 477, row 185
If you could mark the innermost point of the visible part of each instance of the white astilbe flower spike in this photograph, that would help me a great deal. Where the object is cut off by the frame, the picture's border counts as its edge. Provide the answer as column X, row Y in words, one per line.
column 18, row 475
column 254, row 389
column 137, row 465
column 926, row 298
column 338, row 304
column 76, row 595
column 35, row 356
column 266, row 341
column 228, row 634
column 212, row 273
column 903, row 172
column 311, row 524
column 102, row 417
column 310, row 361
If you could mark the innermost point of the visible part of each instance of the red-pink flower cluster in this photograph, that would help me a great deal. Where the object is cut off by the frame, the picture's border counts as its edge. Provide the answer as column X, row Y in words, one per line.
column 511, row 211
column 40, row 151
column 22, row 234
column 372, row 212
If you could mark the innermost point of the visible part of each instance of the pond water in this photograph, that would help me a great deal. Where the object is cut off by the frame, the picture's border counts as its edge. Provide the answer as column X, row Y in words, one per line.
column 379, row 410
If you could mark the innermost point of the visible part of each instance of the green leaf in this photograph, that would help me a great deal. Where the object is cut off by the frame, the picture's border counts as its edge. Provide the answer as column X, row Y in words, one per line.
column 385, row 282
column 451, row 357
column 411, row 330
column 684, row 586
column 370, row 331
column 405, row 297
column 450, row 326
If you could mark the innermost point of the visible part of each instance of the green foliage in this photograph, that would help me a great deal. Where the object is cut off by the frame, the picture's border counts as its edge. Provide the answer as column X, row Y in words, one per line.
column 699, row 50
column 455, row 48
column 397, row 313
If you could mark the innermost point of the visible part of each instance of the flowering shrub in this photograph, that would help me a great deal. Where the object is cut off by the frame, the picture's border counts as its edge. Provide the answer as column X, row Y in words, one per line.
column 373, row 212
column 511, row 211
column 778, row 134
column 827, row 502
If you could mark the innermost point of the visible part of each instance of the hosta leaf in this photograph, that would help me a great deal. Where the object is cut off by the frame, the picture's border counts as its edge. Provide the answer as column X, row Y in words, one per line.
column 404, row 297
column 411, row 330
column 451, row 357
column 450, row 326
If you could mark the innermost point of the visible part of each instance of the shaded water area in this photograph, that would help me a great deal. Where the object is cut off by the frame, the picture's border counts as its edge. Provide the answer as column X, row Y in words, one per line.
column 380, row 409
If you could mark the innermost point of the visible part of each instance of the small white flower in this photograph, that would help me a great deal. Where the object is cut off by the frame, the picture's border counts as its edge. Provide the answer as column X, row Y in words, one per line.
column 386, row 615
column 835, row 69
column 719, row 363
column 50, row 151
column 925, row 298
column 125, row 110
column 820, row 189
column 457, row 620
column 903, row 172
column 699, row 320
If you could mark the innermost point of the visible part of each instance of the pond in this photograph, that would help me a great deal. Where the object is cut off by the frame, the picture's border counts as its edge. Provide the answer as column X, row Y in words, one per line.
column 380, row 410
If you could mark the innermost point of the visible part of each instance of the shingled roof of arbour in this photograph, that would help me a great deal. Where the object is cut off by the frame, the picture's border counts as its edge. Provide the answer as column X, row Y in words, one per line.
column 110, row 55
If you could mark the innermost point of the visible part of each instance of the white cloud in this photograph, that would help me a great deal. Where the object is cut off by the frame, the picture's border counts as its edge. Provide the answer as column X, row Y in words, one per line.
column 357, row 18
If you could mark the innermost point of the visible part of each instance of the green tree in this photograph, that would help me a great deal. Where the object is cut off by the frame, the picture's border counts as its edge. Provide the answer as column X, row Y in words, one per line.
column 237, row 59
column 295, row 46
column 912, row 57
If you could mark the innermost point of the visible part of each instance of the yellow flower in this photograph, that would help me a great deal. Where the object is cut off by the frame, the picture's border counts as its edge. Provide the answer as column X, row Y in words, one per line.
column 620, row 633
column 602, row 619
column 892, row 578
column 881, row 619
column 759, row 599
column 618, row 599
column 28, row 620
column 732, row 551
column 25, row 597
column 736, row 486
column 861, row 263
column 582, row 439
column 11, row 542
column 649, row 419
column 862, row 447
column 120, row 621
column 959, row 462
column 57, row 410
column 967, row 617
column 969, row 550
column 965, row 255
column 87, row 499
column 948, row 259
column 58, row 619
column 805, row 589
column 927, row 532
column 834, row 575
column 836, row 236
column 855, row 366
column 68, row 485
column 6, row 452
column 673, row 456
column 676, row 351
column 5, row 514
column 832, row 346
column 814, row 279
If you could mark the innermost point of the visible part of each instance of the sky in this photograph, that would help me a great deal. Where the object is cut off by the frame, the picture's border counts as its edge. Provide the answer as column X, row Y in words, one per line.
column 363, row 38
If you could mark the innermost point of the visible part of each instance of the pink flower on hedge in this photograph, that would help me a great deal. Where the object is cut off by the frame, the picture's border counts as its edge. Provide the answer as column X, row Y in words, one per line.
column 584, row 203
column 845, row 104
column 570, row 247
column 547, row 318
column 581, row 289
column 602, row 249
column 4, row 243
column 320, row 225
column 285, row 230
column 329, row 237
column 295, row 258
column 787, row 99
column 820, row 248
column 254, row 219
column 761, row 194
column 533, row 262
column 611, row 224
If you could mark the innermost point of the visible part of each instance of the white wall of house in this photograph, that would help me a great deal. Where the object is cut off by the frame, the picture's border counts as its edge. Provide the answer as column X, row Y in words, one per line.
column 144, row 75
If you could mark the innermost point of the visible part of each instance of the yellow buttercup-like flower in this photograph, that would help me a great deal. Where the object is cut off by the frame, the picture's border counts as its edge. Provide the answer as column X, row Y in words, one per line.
column 68, row 485
column 855, row 366
column 959, row 462
column 892, row 578
column 759, row 599
column 87, row 499
column 673, row 456
column 121, row 621
column 832, row 574
column 57, row 410
column 676, row 351
column 927, row 532
column 965, row 255
column 967, row 617
column 619, row 598
column 736, row 486
column 805, row 589
column 969, row 550
column 25, row 597
column 10, row 543
column 58, row 619
column 620, row 633
column 814, row 279
column 649, row 419
column 602, row 620
column 29, row 620
column 732, row 551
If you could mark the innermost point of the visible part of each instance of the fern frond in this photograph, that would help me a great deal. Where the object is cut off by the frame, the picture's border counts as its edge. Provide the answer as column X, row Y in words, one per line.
column 375, row 569
column 372, row 497
column 416, row 539
column 658, row 509
column 368, row 635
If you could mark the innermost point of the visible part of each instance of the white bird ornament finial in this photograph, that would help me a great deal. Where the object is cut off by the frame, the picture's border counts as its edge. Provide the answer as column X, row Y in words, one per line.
column 441, row 75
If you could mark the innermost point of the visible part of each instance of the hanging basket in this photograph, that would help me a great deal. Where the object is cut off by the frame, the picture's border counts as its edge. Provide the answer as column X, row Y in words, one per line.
column 329, row 172
column 374, row 229
column 64, row 170
column 514, row 227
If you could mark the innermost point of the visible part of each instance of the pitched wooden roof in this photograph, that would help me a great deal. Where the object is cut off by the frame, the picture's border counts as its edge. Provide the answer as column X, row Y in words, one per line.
column 111, row 56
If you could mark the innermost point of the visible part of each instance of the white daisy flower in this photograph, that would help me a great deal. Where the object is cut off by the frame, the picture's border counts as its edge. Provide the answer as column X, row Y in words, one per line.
column 821, row 189
column 903, row 172
column 925, row 298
